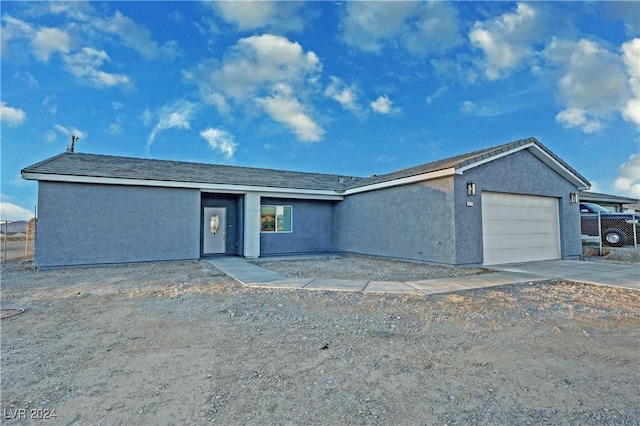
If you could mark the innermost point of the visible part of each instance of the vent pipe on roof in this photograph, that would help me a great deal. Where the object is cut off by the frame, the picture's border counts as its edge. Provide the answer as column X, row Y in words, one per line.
column 72, row 147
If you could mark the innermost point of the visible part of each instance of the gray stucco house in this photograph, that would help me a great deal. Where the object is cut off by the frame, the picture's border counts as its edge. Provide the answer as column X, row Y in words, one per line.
column 614, row 203
column 508, row 203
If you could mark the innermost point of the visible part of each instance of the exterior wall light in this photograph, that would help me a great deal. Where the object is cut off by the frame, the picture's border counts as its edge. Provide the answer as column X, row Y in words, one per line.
column 574, row 197
column 471, row 189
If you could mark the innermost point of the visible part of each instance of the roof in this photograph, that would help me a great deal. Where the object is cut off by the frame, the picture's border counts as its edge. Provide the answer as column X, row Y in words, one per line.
column 107, row 166
column 466, row 161
column 462, row 162
column 596, row 196
column 80, row 167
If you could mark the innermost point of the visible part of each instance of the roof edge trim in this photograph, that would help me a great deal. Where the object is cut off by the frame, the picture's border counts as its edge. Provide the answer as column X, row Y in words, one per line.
column 402, row 181
column 208, row 187
column 543, row 156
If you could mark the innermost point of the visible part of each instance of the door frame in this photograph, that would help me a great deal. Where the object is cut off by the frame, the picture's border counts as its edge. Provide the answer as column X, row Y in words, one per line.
column 222, row 228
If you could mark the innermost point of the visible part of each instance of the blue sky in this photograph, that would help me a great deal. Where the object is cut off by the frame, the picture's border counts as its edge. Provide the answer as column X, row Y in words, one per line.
column 354, row 88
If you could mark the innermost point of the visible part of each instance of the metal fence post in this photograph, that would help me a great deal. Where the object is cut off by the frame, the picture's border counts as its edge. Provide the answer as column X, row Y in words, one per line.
column 599, row 235
column 4, row 244
column 26, row 242
column 635, row 237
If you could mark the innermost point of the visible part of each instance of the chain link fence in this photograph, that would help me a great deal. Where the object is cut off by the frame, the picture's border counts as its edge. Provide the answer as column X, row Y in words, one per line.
column 611, row 230
column 17, row 239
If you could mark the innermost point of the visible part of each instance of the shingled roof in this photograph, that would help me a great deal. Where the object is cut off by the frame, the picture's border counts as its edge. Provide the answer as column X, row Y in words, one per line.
column 106, row 166
column 463, row 161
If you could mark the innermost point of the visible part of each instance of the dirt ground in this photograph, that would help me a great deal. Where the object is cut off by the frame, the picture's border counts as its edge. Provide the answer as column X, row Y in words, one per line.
column 16, row 249
column 356, row 267
column 181, row 343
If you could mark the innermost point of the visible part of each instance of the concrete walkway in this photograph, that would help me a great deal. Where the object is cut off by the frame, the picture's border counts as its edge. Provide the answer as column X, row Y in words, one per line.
column 600, row 273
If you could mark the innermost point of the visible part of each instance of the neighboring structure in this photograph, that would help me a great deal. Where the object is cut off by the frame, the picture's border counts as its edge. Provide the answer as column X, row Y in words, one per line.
column 13, row 228
column 615, row 203
column 509, row 203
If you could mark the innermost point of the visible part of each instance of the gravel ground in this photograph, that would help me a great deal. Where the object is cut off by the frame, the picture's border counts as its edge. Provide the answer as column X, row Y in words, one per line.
column 357, row 267
column 181, row 343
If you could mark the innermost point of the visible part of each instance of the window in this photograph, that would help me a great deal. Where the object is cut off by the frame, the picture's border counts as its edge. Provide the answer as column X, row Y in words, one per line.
column 276, row 218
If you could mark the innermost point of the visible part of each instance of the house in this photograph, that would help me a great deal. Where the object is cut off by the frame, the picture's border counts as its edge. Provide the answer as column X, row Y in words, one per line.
column 614, row 203
column 509, row 203
column 13, row 228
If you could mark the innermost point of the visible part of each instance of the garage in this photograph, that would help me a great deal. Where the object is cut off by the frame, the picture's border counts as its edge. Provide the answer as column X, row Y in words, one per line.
column 519, row 228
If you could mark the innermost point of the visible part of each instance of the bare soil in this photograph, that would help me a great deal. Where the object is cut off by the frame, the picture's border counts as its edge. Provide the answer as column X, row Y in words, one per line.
column 16, row 248
column 355, row 267
column 181, row 343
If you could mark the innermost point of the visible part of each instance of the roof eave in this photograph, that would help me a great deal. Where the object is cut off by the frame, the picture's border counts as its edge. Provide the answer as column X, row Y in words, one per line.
column 542, row 155
column 402, row 181
column 324, row 194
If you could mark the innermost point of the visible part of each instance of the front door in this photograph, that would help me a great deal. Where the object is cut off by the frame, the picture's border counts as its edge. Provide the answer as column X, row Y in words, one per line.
column 215, row 230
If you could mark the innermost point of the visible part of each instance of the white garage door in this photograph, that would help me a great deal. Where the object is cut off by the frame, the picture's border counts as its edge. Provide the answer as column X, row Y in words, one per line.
column 519, row 228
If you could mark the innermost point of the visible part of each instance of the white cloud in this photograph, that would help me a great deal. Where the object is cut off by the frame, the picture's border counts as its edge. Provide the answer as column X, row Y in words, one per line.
column 49, row 40
column 578, row 118
column 284, row 108
column 12, row 116
column 506, row 40
column 13, row 212
column 86, row 64
column 384, row 105
column 114, row 129
column 472, row 108
column 44, row 41
column 418, row 27
column 13, row 29
column 576, row 63
column 438, row 93
column 460, row 67
column 175, row 115
column 51, row 135
column 631, row 58
column 343, row 94
column 252, row 15
column 256, row 68
column 628, row 180
column 135, row 36
column 255, row 64
column 51, row 103
column 368, row 25
column 220, row 140
column 81, row 11
column 436, row 29
column 626, row 11
column 82, row 25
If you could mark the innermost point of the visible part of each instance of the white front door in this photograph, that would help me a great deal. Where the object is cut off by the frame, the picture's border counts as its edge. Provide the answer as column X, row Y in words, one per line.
column 215, row 230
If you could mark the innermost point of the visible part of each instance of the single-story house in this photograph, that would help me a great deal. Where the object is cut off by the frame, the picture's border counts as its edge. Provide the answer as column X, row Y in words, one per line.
column 614, row 203
column 13, row 228
column 509, row 203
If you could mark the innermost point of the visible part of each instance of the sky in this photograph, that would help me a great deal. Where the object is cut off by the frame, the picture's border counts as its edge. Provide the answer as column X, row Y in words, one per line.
column 351, row 88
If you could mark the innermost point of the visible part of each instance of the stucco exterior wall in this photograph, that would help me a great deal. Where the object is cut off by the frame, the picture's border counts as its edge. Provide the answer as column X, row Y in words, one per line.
column 407, row 222
column 312, row 230
column 82, row 224
column 518, row 173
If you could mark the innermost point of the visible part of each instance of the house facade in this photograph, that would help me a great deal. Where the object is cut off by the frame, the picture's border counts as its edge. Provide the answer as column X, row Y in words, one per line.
column 504, row 204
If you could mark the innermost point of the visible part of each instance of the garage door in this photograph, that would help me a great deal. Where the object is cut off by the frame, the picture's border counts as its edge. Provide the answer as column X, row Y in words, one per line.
column 519, row 228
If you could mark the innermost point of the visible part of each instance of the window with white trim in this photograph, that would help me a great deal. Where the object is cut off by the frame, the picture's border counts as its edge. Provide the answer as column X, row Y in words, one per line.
column 276, row 218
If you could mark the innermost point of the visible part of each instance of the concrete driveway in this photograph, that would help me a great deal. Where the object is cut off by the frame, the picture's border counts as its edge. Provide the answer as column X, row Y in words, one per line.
column 601, row 273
